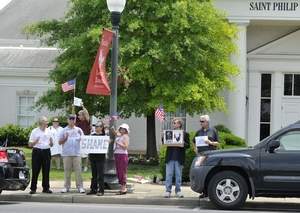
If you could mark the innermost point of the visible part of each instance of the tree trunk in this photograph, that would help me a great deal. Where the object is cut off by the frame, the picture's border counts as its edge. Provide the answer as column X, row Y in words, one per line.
column 151, row 137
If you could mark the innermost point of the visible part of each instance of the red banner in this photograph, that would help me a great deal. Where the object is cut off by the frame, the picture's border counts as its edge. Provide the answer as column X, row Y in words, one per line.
column 98, row 84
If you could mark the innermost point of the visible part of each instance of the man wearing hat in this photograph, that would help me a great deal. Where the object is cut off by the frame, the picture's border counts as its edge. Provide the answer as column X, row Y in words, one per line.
column 70, row 138
column 56, row 148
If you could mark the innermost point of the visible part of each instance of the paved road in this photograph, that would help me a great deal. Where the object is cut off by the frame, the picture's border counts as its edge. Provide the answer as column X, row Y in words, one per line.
column 14, row 207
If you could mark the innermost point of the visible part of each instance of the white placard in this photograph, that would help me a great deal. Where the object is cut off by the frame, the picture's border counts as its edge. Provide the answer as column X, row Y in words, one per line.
column 94, row 144
column 200, row 141
column 77, row 101
column 173, row 138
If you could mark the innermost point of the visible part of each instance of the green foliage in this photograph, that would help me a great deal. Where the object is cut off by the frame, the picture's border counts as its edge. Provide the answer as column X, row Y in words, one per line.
column 222, row 128
column 231, row 140
column 16, row 135
column 174, row 53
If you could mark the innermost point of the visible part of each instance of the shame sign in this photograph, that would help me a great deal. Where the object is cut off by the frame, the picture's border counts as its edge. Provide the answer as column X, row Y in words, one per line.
column 94, row 144
column 273, row 6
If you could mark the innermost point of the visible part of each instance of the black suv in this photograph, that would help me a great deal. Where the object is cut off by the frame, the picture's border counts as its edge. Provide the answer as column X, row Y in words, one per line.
column 14, row 174
column 269, row 169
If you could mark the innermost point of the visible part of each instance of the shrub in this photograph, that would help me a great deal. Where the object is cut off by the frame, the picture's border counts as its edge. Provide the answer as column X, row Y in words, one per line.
column 230, row 140
column 222, row 128
column 16, row 135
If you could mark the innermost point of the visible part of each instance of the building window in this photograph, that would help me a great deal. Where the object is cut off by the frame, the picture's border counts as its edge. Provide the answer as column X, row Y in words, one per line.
column 292, row 84
column 180, row 113
column 25, row 115
column 265, row 105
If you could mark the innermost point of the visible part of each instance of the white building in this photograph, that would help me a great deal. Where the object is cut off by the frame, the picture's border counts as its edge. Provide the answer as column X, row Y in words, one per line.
column 267, row 94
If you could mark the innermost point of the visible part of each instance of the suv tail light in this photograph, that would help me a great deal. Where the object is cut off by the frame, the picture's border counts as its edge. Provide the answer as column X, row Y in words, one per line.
column 3, row 156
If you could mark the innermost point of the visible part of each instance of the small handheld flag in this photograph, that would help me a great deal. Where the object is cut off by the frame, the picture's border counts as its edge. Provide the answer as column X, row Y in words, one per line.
column 160, row 113
column 69, row 85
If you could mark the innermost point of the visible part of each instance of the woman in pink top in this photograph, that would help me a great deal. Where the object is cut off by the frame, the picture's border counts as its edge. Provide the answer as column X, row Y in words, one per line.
column 121, row 156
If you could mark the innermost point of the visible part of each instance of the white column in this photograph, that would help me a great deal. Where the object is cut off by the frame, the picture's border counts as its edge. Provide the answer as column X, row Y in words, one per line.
column 253, row 108
column 236, row 101
column 276, row 98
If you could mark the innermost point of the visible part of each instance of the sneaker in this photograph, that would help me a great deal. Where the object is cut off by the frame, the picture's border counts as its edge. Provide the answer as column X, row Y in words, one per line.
column 202, row 196
column 100, row 194
column 64, row 190
column 167, row 195
column 179, row 195
column 32, row 192
column 91, row 192
column 48, row 191
column 81, row 190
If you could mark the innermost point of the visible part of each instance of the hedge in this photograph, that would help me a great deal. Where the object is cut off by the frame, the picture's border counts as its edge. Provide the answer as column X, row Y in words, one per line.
column 15, row 135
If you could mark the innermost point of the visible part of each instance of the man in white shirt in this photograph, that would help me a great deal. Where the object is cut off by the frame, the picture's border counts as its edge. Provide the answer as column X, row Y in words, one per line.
column 56, row 149
column 40, row 140
column 70, row 138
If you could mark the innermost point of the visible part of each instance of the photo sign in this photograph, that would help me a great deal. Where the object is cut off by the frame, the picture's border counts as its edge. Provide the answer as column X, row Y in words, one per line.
column 173, row 138
column 94, row 144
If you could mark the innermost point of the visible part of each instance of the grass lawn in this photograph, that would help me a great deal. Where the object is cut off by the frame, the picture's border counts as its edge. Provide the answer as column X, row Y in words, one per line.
column 133, row 169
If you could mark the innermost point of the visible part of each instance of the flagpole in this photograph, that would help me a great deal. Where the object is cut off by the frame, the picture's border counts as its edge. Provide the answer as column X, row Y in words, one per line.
column 73, row 106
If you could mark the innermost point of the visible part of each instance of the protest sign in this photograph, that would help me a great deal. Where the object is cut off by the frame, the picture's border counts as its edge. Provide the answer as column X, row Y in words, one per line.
column 94, row 144
column 173, row 138
column 200, row 141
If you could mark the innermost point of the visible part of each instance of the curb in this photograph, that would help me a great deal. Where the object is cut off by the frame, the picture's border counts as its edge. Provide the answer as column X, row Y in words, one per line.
column 58, row 198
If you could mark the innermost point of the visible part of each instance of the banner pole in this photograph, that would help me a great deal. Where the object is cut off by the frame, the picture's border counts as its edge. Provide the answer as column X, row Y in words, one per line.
column 73, row 106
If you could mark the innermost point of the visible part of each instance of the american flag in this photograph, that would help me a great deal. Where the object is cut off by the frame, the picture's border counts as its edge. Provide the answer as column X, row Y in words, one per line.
column 69, row 85
column 160, row 113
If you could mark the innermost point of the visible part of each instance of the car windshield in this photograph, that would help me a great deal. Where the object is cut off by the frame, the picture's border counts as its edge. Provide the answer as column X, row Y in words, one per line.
column 262, row 141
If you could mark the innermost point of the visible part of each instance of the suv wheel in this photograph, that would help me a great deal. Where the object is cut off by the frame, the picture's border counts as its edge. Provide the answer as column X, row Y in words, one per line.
column 228, row 190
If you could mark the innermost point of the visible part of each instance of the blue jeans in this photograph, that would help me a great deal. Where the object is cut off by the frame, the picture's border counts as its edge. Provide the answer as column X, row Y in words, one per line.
column 171, row 167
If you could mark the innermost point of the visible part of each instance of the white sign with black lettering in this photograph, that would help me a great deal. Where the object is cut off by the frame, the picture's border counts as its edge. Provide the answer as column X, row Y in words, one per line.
column 94, row 144
column 173, row 138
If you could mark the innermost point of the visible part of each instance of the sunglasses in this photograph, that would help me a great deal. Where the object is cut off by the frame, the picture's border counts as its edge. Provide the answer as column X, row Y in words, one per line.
column 98, row 126
column 202, row 121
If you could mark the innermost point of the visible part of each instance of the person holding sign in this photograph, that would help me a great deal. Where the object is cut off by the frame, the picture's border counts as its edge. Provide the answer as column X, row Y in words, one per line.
column 70, row 138
column 83, row 122
column 97, row 165
column 206, row 138
column 121, row 156
column 175, row 157
column 41, row 141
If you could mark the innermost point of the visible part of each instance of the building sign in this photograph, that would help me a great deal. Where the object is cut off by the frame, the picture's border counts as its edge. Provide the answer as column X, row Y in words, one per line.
column 275, row 6
column 260, row 9
column 94, row 144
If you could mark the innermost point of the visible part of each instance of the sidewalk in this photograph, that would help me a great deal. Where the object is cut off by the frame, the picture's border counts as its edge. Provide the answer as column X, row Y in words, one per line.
column 143, row 194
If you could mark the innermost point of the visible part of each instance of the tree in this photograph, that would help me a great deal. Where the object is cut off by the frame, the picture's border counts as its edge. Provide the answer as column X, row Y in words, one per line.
column 173, row 52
